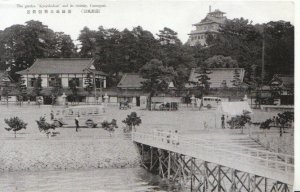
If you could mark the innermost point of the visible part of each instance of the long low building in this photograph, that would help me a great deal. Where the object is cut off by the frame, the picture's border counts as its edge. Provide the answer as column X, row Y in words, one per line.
column 63, row 71
column 218, row 77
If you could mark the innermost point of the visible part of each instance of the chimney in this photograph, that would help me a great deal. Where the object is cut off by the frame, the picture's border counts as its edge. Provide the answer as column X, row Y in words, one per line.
column 209, row 8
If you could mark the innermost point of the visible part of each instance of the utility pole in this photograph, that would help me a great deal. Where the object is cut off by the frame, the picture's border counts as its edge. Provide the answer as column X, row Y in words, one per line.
column 94, row 74
column 263, row 57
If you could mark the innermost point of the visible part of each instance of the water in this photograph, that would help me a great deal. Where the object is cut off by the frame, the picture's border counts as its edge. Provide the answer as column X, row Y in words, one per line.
column 100, row 180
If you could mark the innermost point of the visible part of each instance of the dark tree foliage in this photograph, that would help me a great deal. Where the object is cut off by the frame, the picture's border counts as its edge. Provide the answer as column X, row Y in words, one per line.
column 57, row 89
column 157, row 77
column 20, row 45
column 74, row 89
column 15, row 124
column 46, row 127
column 219, row 61
column 37, row 89
column 132, row 120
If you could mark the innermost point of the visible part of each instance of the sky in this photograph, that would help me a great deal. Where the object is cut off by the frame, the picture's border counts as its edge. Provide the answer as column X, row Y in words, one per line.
column 152, row 15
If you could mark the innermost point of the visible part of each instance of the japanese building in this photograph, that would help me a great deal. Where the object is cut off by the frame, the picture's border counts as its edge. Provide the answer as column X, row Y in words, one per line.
column 63, row 71
column 209, row 25
column 218, row 77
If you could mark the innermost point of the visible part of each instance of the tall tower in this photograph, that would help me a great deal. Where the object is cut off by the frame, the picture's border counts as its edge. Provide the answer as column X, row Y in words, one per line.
column 210, row 24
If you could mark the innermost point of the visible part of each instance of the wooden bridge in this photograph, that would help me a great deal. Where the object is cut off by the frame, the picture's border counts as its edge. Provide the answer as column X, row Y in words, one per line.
column 204, row 165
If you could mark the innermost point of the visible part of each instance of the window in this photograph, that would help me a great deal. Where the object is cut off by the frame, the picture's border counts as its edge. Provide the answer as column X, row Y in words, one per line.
column 32, row 82
column 78, row 81
column 54, row 80
column 98, row 82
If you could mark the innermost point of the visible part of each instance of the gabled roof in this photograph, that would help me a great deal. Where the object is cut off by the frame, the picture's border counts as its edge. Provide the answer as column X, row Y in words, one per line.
column 61, row 66
column 217, row 76
column 282, row 80
column 131, row 81
column 4, row 76
column 134, row 81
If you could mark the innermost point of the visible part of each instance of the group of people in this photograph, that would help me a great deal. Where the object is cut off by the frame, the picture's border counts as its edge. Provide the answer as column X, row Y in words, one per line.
column 169, row 137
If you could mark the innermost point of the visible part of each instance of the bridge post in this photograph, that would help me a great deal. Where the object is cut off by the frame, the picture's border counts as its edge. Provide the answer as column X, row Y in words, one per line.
column 233, row 181
column 169, row 165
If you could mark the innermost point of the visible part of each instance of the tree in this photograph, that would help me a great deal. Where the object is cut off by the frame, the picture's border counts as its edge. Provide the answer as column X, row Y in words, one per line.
column 110, row 127
column 239, row 121
column 6, row 89
column 87, row 39
column 157, row 78
column 15, row 124
column 37, row 86
column 57, row 89
column 46, row 127
column 89, row 83
column 279, row 48
column 74, row 89
column 24, row 43
column 240, row 40
column 22, row 89
column 283, row 119
column 63, row 46
column 220, row 61
column 203, row 79
column 132, row 120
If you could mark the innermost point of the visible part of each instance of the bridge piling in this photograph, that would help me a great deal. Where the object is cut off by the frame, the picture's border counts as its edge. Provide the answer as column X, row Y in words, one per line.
column 175, row 164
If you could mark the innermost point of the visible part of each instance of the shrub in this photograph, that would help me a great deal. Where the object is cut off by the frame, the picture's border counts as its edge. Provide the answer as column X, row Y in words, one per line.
column 46, row 127
column 239, row 121
column 266, row 124
column 131, row 121
column 15, row 124
column 110, row 127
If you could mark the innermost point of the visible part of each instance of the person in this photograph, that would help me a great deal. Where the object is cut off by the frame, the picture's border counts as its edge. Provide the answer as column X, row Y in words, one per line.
column 175, row 138
column 168, row 137
column 77, row 123
column 223, row 121
column 51, row 115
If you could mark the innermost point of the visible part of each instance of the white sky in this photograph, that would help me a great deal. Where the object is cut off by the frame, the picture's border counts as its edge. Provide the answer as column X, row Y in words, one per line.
column 152, row 15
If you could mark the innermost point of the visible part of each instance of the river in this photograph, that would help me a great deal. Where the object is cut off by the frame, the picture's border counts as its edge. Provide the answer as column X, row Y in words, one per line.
column 100, row 180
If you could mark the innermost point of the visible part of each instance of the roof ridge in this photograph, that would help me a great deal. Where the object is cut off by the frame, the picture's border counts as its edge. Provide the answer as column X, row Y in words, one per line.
column 77, row 58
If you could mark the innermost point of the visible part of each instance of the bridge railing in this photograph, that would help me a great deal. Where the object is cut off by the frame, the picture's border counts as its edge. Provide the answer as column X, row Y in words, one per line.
column 280, row 169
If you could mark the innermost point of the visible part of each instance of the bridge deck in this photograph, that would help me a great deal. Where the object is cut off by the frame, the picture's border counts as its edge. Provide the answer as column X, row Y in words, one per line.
column 276, row 166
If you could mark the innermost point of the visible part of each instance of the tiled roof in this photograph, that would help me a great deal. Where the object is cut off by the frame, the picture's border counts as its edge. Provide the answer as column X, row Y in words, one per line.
column 4, row 76
column 60, row 66
column 131, row 81
column 285, row 80
column 217, row 76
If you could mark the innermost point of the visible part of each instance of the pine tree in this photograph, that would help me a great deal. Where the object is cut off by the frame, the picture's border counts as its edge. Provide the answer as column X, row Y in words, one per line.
column 38, row 86
column 15, row 124
column 22, row 89
column 57, row 89
column 203, row 79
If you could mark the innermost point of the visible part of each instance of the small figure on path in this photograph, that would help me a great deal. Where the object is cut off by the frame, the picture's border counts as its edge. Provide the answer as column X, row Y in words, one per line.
column 168, row 137
column 77, row 123
column 223, row 121
column 51, row 115
column 175, row 138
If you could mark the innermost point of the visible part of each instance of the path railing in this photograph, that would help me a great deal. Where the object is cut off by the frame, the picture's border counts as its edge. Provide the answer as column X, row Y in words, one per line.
column 277, row 166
